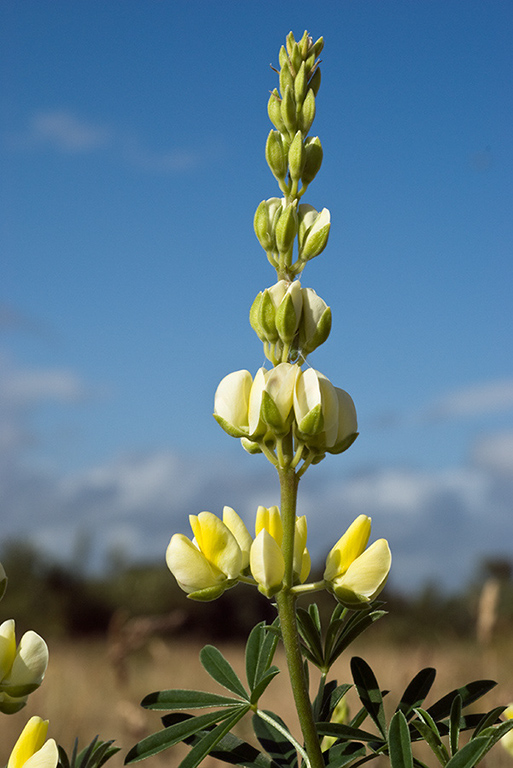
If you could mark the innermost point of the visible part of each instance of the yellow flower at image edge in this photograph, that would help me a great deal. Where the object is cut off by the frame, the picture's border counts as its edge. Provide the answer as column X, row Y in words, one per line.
column 31, row 751
column 507, row 740
column 214, row 560
column 22, row 667
column 354, row 574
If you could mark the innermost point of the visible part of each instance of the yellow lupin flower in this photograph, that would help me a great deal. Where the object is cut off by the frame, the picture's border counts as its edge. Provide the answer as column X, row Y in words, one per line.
column 31, row 751
column 213, row 561
column 22, row 667
column 354, row 574
column 507, row 740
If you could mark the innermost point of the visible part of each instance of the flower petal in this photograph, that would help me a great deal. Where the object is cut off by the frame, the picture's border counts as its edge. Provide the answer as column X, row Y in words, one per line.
column 217, row 543
column 348, row 548
column 189, row 566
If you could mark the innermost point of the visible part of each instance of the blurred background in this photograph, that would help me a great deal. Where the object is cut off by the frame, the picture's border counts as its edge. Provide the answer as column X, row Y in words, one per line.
column 132, row 145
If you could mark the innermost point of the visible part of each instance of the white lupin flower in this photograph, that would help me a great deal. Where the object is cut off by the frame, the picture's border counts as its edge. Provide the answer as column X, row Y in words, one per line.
column 231, row 403
column 22, row 667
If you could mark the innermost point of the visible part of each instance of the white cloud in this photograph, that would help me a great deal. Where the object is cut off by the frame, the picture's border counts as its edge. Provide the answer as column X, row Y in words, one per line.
column 69, row 133
column 495, row 453
column 476, row 400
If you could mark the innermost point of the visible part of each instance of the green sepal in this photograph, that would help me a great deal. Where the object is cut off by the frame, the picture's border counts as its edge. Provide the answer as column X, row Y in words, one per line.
column 286, row 79
column 307, row 113
column 286, row 319
column 296, row 157
column 321, row 333
column 271, row 415
column 343, row 445
column 315, row 81
column 286, row 228
column 313, row 159
column 315, row 244
column 288, row 110
column 274, row 110
column 313, row 422
column 261, row 226
column 230, row 429
column 266, row 317
column 300, row 83
column 11, row 706
column 295, row 58
column 250, row 446
column 283, row 57
column 254, row 317
column 276, row 155
column 17, row 691
column 209, row 593
column 318, row 46
column 222, row 671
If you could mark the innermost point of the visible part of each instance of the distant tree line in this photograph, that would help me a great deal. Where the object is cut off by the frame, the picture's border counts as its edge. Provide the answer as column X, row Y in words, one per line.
column 58, row 601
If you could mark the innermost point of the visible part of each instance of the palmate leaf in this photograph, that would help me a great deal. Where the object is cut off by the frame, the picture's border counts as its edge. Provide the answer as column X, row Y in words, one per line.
column 93, row 756
column 210, row 740
column 260, row 650
column 280, row 749
column 416, row 691
column 369, row 692
column 173, row 734
column 259, row 689
column 179, row 698
column 399, row 744
column 222, row 671
column 469, row 693
column 309, row 629
column 230, row 749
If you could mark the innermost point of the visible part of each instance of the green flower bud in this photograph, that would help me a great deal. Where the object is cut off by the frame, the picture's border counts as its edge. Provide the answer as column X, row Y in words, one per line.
column 283, row 57
column 315, row 324
column 315, row 81
column 307, row 114
column 288, row 110
column 277, row 397
column 305, row 44
column 276, row 155
column 300, row 84
column 289, row 41
column 267, row 316
column 297, row 157
column 274, row 110
column 254, row 318
column 264, row 222
column 313, row 230
column 318, row 46
column 295, row 58
column 288, row 314
column 286, row 79
column 286, row 228
column 313, row 159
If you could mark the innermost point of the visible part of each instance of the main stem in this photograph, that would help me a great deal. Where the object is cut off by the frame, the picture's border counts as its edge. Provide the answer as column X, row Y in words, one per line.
column 287, row 613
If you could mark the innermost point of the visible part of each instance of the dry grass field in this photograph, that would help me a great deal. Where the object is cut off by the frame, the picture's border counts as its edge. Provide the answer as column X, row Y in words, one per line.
column 83, row 695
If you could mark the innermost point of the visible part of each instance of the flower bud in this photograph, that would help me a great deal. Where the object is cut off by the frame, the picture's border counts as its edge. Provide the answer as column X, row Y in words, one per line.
column 315, row 408
column 22, row 668
column 270, row 520
column 313, row 231
column 313, row 159
column 257, row 426
column 267, row 563
column 347, row 431
column 289, row 312
column 288, row 110
column 296, row 157
column 231, row 403
column 300, row 83
column 283, row 57
column 307, row 113
column 315, row 81
column 274, row 110
column 262, row 223
column 286, row 229
column 302, row 562
column 205, row 567
column 31, row 749
column 295, row 57
column 315, row 322
column 286, row 79
column 277, row 397
column 354, row 574
column 276, row 155
column 289, row 41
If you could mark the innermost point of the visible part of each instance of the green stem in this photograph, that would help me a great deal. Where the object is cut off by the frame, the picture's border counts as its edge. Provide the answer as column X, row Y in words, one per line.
column 285, row 600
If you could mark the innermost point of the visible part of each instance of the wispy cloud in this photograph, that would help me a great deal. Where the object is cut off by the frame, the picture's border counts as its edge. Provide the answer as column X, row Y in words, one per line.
column 68, row 133
column 475, row 400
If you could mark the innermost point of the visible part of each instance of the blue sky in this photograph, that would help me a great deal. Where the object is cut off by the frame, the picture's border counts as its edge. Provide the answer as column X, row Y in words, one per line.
column 132, row 142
